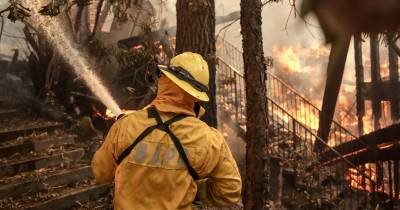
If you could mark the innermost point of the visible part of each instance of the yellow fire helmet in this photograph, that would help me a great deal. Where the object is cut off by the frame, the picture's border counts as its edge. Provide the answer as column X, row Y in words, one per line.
column 190, row 72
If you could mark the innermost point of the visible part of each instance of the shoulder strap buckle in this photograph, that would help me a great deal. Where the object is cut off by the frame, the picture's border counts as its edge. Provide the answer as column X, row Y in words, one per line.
column 164, row 127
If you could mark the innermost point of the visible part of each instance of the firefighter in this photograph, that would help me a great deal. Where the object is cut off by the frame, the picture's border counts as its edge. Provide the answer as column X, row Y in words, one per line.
column 164, row 156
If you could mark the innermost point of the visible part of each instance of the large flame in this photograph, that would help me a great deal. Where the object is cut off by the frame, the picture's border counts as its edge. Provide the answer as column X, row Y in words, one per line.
column 303, row 69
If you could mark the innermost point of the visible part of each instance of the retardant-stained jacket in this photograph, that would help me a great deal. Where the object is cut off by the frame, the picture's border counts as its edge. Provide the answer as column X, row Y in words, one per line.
column 153, row 176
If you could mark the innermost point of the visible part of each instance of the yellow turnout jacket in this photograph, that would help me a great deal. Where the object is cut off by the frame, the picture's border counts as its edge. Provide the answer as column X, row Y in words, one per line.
column 153, row 176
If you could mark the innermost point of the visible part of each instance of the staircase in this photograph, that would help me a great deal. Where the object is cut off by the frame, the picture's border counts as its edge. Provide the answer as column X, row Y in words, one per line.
column 293, row 123
column 281, row 93
column 43, row 165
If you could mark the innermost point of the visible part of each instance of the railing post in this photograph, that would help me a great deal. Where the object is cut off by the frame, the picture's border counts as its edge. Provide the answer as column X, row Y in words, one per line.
column 373, row 194
column 294, row 142
column 236, row 97
column 390, row 184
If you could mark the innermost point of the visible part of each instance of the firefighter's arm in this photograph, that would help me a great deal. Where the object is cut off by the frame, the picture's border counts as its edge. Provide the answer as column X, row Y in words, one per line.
column 103, row 163
column 223, row 184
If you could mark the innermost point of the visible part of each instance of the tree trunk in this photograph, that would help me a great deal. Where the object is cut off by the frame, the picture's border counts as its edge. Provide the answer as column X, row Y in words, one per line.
column 196, row 33
column 256, row 135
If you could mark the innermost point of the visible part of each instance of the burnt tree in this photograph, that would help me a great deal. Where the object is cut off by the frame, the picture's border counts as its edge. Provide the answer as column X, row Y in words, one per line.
column 255, row 76
column 196, row 33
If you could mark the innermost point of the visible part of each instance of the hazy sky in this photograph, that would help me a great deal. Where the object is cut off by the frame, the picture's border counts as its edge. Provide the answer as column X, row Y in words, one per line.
column 11, row 34
column 274, row 18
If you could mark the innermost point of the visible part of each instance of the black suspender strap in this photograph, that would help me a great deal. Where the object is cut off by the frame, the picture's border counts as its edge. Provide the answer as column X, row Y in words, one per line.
column 182, row 153
column 164, row 126
column 128, row 150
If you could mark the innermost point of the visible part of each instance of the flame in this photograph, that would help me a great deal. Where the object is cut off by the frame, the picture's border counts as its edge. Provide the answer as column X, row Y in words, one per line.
column 291, row 60
column 302, row 69
column 296, row 59
column 384, row 68
column 309, row 118
column 108, row 114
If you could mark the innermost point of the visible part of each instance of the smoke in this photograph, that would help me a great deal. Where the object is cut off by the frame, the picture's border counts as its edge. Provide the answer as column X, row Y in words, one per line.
column 53, row 30
column 235, row 143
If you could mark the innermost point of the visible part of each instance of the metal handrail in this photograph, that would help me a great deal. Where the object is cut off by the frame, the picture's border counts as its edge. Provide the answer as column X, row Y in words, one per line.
column 301, row 124
column 231, row 67
column 290, row 88
column 338, row 133
column 339, row 155
column 225, row 84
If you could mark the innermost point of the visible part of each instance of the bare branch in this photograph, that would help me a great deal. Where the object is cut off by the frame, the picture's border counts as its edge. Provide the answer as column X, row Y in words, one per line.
column 227, row 26
column 16, row 12
column 30, row 39
column 1, row 27
column 69, row 21
column 396, row 48
column 96, row 22
column 267, row 2
column 391, row 40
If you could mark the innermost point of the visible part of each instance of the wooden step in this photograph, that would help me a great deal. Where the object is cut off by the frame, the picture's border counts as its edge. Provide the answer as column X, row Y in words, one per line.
column 32, row 184
column 102, row 203
column 14, row 167
column 6, row 135
column 73, row 198
column 8, row 113
column 36, row 145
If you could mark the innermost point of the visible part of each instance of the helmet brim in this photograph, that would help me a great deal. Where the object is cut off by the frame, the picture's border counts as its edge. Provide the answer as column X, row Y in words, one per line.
column 202, row 96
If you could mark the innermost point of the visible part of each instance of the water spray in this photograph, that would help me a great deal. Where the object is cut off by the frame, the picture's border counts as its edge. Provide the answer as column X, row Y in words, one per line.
column 54, row 32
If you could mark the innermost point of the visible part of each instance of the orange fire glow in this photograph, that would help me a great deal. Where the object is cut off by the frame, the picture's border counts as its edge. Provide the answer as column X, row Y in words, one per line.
column 295, row 58
column 108, row 114
column 304, row 68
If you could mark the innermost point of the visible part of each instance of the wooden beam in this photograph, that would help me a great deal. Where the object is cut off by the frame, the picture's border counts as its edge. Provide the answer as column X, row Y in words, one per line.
column 382, row 91
column 396, row 178
column 369, row 142
column 337, row 61
column 390, row 153
column 375, row 79
column 394, row 84
column 359, row 81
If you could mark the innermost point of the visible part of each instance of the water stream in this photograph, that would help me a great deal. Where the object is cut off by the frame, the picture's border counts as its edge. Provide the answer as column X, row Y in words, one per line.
column 53, row 29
